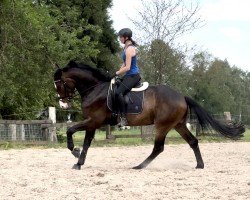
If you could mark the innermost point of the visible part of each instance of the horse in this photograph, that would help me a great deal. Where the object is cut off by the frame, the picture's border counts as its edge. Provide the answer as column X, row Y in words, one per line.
column 162, row 106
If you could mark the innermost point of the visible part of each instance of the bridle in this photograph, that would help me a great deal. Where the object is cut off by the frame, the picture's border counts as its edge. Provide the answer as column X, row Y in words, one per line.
column 66, row 96
column 70, row 97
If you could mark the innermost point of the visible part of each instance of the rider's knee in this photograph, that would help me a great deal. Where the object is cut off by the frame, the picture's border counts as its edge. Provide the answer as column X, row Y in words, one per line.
column 119, row 96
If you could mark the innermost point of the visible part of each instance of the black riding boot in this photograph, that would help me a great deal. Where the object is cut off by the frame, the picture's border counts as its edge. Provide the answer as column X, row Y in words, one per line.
column 123, row 119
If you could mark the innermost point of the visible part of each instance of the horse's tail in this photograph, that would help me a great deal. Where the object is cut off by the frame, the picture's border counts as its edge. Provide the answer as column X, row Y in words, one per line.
column 206, row 120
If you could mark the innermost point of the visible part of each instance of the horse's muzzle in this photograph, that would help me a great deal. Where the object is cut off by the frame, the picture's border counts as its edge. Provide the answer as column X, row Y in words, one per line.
column 64, row 105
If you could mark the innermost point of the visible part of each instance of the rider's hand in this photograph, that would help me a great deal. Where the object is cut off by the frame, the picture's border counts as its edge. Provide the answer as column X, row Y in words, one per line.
column 114, row 76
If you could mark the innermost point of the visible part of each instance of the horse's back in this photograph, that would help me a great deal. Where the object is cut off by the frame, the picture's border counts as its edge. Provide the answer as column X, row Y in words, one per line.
column 168, row 103
column 163, row 93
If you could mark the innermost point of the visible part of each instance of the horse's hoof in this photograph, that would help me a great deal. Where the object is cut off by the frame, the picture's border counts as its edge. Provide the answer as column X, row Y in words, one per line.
column 138, row 167
column 200, row 166
column 76, row 152
column 76, row 166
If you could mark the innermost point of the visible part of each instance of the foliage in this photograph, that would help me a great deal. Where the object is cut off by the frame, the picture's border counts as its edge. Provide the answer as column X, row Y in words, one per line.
column 161, row 64
column 86, row 28
column 25, row 67
column 61, row 138
column 220, row 87
column 212, row 82
column 37, row 34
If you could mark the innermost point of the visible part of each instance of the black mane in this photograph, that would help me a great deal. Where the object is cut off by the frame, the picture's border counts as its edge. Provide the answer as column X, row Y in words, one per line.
column 98, row 73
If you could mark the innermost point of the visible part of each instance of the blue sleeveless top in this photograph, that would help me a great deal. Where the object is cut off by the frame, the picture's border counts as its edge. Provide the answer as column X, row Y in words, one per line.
column 134, row 69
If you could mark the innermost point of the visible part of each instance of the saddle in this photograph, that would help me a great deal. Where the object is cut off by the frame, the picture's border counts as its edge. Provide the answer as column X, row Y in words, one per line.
column 133, row 99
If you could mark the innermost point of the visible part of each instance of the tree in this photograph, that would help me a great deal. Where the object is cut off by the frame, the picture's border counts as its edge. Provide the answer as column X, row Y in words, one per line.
column 37, row 34
column 160, row 64
column 25, row 66
column 198, row 87
column 166, row 19
column 219, row 87
column 246, row 96
column 240, row 87
column 220, row 97
column 93, row 39
column 161, row 22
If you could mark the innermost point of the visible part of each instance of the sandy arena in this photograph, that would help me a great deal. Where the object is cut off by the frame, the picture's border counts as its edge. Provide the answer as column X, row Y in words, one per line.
column 47, row 174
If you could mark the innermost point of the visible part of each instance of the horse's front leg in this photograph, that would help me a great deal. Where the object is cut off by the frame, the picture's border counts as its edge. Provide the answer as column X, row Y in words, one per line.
column 78, row 127
column 86, row 144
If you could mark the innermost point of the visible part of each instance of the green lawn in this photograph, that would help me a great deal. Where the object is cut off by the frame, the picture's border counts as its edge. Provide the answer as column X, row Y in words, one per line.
column 246, row 137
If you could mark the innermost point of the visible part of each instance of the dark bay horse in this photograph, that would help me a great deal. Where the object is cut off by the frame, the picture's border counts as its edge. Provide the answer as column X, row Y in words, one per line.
column 163, row 107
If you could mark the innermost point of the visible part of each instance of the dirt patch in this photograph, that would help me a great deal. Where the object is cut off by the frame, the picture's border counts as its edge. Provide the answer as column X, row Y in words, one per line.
column 107, row 174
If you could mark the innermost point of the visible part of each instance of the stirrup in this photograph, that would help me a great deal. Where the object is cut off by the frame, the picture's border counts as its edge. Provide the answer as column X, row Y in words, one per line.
column 123, row 122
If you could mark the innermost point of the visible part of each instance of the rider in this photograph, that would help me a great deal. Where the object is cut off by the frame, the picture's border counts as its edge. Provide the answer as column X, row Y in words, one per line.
column 129, row 69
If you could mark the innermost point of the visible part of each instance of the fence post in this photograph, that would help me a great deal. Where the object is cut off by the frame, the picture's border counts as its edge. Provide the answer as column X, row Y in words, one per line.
column 198, row 129
column 52, row 130
column 108, row 132
column 13, row 131
column 228, row 117
column 22, row 132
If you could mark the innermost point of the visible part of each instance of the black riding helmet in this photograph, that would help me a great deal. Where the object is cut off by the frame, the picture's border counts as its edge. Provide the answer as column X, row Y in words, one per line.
column 125, row 32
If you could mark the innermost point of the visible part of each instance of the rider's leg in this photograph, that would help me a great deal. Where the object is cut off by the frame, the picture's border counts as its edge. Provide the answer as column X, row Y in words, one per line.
column 127, row 83
column 123, row 121
column 122, row 105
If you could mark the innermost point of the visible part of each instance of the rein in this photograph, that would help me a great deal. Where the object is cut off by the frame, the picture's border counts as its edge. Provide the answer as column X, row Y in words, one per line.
column 91, row 87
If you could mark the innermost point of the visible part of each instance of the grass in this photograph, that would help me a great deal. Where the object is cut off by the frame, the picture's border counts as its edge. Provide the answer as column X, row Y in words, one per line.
column 172, row 138
column 246, row 137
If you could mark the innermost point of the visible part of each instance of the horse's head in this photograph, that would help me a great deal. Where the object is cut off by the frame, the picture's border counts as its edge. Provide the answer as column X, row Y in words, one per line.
column 80, row 76
column 65, row 87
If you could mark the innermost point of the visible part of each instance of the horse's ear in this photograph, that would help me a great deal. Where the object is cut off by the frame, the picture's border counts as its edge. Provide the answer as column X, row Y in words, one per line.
column 72, row 63
column 57, row 66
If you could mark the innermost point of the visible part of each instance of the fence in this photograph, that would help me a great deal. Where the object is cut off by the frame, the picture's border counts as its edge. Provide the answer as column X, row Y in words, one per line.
column 45, row 130
column 26, row 130
column 145, row 132
column 29, row 130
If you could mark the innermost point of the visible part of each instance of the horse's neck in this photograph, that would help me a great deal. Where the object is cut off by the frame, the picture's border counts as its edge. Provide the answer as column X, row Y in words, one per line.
column 85, row 82
column 84, row 88
column 97, row 94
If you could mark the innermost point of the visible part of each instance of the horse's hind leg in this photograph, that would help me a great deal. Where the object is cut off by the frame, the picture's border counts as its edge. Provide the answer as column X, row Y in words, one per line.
column 158, row 148
column 192, row 141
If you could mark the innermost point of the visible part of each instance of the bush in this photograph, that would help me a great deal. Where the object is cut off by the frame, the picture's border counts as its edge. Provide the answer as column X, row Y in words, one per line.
column 61, row 138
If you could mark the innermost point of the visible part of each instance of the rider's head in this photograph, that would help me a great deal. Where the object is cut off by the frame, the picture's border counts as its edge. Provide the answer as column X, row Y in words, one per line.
column 125, row 34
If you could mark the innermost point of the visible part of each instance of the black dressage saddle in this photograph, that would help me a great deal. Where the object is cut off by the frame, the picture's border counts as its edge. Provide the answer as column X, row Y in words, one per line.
column 133, row 99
